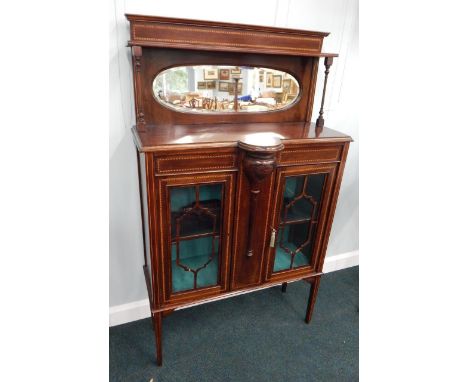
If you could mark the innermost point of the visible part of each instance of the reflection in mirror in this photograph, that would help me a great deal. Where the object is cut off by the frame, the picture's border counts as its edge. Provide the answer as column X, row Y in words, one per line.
column 212, row 88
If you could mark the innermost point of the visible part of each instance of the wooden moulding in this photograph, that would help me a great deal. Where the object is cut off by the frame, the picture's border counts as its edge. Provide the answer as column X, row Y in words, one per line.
column 164, row 139
column 176, row 305
column 154, row 31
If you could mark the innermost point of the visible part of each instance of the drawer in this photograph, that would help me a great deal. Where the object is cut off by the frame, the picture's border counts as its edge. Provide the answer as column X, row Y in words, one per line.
column 308, row 154
column 195, row 162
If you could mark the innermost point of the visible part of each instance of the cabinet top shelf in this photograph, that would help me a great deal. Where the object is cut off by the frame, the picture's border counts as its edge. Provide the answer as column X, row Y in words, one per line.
column 168, row 137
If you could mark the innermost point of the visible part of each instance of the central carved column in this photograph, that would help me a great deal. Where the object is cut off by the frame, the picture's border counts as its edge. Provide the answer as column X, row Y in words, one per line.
column 259, row 162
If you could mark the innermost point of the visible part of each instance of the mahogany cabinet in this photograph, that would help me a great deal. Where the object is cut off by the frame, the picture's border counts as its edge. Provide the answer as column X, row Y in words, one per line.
column 238, row 187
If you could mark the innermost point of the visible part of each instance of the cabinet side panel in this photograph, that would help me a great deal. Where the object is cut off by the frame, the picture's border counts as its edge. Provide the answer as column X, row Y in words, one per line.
column 153, row 224
column 145, row 217
column 331, row 212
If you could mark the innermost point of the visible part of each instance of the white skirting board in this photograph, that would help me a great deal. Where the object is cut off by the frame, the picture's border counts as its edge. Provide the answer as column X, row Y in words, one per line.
column 341, row 261
column 138, row 310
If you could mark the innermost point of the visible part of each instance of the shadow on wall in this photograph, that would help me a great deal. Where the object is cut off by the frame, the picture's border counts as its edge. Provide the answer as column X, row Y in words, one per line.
column 344, row 235
column 125, row 241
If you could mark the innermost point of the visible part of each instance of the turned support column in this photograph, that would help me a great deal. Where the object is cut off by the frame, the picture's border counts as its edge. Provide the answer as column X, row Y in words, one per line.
column 320, row 121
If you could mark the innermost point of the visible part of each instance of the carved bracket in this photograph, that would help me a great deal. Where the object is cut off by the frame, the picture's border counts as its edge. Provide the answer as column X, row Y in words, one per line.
column 137, row 53
column 259, row 162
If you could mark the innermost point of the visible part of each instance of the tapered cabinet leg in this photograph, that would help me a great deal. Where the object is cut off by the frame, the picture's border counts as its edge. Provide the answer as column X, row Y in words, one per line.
column 283, row 287
column 314, row 285
column 157, row 325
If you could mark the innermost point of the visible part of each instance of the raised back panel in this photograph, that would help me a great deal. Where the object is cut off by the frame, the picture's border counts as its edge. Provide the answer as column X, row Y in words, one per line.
column 155, row 60
column 159, row 43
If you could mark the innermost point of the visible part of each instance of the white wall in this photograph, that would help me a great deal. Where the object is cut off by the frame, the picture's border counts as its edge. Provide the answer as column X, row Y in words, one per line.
column 340, row 17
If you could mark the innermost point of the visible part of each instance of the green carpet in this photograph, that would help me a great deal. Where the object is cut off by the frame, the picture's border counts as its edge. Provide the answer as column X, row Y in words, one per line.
column 259, row 337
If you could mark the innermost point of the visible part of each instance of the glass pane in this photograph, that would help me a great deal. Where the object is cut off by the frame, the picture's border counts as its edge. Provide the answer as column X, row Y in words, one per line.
column 290, row 238
column 295, row 207
column 191, row 220
column 212, row 89
column 195, row 229
column 198, row 259
column 298, row 221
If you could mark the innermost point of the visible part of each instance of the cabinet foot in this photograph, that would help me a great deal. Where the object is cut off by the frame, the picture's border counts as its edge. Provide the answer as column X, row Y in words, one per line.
column 283, row 287
column 157, row 325
column 314, row 285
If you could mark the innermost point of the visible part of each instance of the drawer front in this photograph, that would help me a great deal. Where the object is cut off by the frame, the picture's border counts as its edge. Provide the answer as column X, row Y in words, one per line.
column 195, row 163
column 305, row 155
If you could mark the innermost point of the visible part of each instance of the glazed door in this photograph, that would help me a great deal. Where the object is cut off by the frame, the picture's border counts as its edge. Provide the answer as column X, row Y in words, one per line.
column 301, row 204
column 195, row 214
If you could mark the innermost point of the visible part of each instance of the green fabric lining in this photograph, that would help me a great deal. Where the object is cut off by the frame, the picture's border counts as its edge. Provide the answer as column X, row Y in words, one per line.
column 183, row 280
column 283, row 259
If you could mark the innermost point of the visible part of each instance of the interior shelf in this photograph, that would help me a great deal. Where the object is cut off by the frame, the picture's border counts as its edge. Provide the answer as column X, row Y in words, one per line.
column 298, row 220
column 298, row 213
column 196, row 236
column 195, row 226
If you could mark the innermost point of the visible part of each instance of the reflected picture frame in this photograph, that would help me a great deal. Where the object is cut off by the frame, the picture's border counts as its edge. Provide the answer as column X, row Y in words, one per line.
column 294, row 88
column 224, row 74
column 287, row 86
column 269, row 79
column 277, row 81
column 210, row 74
column 223, row 86
column 231, row 88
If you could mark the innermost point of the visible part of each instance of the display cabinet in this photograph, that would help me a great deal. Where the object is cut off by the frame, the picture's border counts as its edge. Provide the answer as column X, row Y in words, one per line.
column 238, row 187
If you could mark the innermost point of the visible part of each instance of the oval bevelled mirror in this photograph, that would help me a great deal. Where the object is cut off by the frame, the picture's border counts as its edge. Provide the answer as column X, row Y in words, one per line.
column 212, row 89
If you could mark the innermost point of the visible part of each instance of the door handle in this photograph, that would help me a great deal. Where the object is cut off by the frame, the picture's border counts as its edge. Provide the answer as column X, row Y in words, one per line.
column 273, row 238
